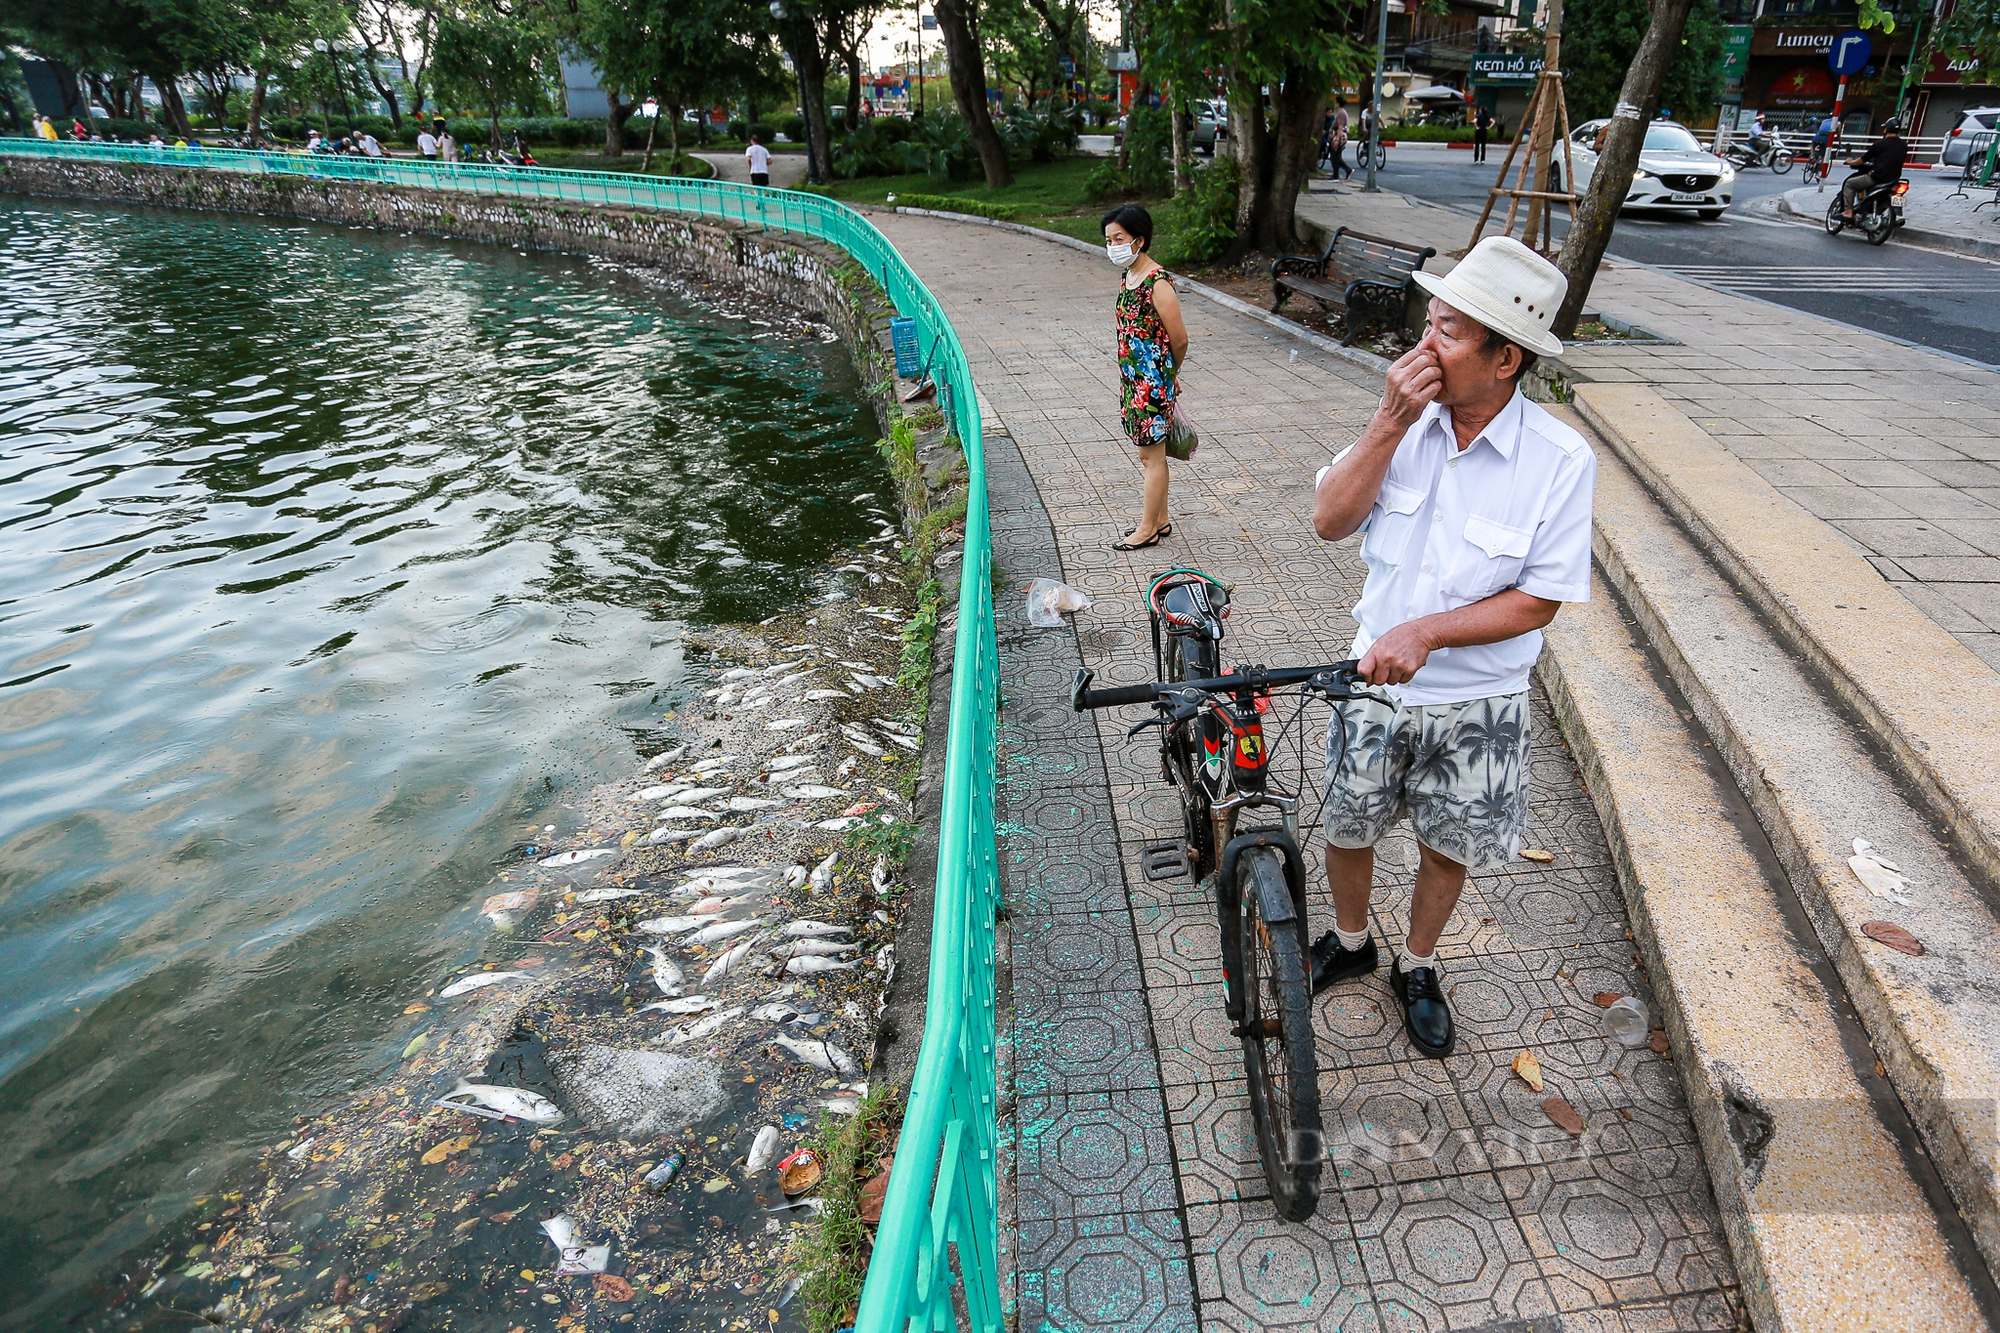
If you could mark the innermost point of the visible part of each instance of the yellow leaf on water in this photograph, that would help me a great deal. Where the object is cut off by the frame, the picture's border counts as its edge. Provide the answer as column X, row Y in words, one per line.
column 447, row 1148
column 1530, row 1069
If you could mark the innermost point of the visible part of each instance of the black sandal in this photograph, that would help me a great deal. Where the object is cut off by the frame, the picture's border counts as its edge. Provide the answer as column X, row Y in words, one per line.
column 1166, row 529
column 1153, row 540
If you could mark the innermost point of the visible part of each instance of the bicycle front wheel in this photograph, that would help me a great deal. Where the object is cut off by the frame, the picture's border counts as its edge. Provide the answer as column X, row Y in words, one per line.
column 1277, row 1038
column 1781, row 163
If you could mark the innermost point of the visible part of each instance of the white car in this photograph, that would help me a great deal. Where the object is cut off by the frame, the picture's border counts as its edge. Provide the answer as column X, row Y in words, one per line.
column 1674, row 171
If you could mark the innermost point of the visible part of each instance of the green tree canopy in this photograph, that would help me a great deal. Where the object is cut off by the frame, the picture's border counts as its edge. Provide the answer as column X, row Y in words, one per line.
column 1600, row 38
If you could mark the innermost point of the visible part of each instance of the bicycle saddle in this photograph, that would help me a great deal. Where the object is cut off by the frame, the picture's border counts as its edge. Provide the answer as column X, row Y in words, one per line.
column 1191, row 604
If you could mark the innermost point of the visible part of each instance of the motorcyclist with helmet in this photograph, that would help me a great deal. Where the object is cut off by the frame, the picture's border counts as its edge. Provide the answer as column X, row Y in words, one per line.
column 1881, row 163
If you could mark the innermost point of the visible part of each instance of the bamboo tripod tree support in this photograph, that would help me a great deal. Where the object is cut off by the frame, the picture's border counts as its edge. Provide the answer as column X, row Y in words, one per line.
column 1544, row 125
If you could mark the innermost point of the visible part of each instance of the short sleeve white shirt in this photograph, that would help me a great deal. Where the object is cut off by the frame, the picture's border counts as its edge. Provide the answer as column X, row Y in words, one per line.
column 1453, row 527
column 427, row 144
column 760, row 159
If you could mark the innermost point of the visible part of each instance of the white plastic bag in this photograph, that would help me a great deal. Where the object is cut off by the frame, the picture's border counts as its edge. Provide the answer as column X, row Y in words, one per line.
column 1049, row 601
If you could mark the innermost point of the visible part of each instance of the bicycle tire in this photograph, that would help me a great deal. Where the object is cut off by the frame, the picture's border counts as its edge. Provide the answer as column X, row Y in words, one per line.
column 1278, row 1061
column 1381, row 157
column 1781, row 164
column 1197, row 828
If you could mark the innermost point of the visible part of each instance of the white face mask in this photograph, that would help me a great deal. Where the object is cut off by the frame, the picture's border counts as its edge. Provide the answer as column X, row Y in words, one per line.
column 1119, row 253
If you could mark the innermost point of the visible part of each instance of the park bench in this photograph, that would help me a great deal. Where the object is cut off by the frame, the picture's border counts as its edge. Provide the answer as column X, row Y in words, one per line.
column 1368, row 277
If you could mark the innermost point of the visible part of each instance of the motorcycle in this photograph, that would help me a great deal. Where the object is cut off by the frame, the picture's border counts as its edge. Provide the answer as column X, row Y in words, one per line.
column 1876, row 214
column 1744, row 153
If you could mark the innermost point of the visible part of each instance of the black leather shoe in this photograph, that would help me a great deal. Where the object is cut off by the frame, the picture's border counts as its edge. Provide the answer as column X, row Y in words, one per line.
column 1332, row 961
column 1426, row 1016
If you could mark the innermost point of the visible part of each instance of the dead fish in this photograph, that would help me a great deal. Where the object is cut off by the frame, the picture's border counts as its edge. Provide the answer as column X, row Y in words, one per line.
column 814, row 1205
column 707, row 1027
column 516, row 1102
column 808, row 929
column 819, row 1054
column 738, row 673
column 763, row 1150
column 795, row 876
column 848, row 766
column 782, row 667
column 607, row 895
column 477, row 980
column 689, row 795
column 814, row 792
column 713, row 762
column 687, row 1004
column 686, row 812
column 671, row 925
column 575, row 1258
column 791, row 679
column 718, row 838
column 880, row 876
column 667, row 974
column 822, row 875
column 867, row 747
column 814, row 696
column 872, row 682
column 665, row 757
column 710, row 906
column 813, row 949
column 718, row 931
column 785, row 724
column 662, row 836
column 726, row 964
column 750, row 804
column 654, row 793
column 788, row 761
column 806, row 967
column 577, row 858
column 780, row 1012
column 839, row 824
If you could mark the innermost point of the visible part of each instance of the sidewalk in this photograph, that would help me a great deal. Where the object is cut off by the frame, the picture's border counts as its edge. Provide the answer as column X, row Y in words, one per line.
column 1451, row 1201
column 1896, row 447
column 1940, row 211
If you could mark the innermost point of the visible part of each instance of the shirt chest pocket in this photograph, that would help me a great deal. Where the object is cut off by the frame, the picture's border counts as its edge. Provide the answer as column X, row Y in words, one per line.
column 1389, row 526
column 1488, row 560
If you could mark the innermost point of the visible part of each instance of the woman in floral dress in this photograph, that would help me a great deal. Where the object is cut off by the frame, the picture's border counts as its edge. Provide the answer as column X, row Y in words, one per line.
column 1152, row 345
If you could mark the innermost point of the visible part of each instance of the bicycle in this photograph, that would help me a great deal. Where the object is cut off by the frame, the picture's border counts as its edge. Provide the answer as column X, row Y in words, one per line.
column 1213, row 751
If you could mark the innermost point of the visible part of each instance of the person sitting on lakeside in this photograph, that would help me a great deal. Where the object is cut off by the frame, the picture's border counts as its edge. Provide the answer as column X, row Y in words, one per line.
column 370, row 145
column 759, row 158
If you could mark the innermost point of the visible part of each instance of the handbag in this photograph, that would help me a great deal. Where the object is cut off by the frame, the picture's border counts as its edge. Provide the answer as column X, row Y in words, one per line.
column 1182, row 438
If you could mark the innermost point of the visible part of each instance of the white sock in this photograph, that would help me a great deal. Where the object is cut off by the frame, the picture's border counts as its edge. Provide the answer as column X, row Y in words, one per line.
column 1350, row 939
column 1411, row 960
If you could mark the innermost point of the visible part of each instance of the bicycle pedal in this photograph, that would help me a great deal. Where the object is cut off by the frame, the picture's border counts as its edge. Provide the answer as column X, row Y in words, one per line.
column 1167, row 860
column 1263, row 1028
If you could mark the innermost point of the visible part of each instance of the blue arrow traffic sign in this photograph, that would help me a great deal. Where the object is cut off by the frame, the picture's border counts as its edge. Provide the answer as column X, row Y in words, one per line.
column 1849, row 52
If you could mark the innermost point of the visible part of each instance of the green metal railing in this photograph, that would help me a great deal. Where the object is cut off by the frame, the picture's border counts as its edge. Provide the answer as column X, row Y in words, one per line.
column 942, row 1208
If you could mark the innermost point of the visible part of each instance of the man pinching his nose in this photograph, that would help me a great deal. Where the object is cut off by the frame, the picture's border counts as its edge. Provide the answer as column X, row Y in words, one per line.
column 1475, row 503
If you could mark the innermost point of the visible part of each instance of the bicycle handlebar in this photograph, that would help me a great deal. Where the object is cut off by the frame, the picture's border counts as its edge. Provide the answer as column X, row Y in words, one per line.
column 1341, row 684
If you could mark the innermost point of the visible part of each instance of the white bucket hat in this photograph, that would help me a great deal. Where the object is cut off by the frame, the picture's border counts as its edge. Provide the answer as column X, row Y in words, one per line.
column 1508, row 288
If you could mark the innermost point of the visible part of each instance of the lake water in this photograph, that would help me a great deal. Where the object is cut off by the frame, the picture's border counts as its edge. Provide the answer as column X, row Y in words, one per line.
column 330, row 563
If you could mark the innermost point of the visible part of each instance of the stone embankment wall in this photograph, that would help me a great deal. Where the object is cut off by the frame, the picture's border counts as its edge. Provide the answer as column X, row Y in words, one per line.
column 801, row 273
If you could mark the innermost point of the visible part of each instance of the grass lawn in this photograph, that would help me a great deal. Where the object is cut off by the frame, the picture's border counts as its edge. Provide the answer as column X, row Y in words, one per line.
column 1049, row 195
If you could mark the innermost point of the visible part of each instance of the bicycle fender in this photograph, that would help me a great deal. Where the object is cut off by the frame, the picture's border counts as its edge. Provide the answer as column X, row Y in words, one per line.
column 1274, row 909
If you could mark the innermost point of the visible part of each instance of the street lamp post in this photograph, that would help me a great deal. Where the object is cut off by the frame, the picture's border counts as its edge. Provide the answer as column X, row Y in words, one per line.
column 325, row 48
column 780, row 13
column 1375, row 103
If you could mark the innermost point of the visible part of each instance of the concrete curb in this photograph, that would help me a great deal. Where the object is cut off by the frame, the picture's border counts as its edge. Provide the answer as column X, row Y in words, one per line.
column 1931, row 703
column 1814, row 777
column 1367, row 360
column 1919, row 236
column 1828, row 1230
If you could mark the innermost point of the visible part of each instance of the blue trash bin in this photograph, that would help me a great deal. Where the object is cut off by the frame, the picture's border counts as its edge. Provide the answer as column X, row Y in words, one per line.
column 903, row 334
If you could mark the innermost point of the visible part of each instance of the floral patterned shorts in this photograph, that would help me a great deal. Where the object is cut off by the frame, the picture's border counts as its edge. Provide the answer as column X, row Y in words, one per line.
column 1458, row 770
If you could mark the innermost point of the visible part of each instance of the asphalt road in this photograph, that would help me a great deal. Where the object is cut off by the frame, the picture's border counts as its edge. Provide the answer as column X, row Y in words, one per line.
column 1943, row 301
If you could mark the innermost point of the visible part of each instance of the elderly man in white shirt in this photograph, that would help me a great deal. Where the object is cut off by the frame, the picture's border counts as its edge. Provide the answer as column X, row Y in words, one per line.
column 1476, row 505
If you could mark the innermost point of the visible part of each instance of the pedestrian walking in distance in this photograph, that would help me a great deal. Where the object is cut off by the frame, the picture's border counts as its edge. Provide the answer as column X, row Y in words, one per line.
column 427, row 145
column 1475, row 503
column 1340, row 168
column 1152, row 345
column 1482, row 125
column 759, row 158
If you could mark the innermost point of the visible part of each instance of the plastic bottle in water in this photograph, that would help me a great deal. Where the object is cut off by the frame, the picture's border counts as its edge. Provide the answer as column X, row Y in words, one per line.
column 1627, row 1018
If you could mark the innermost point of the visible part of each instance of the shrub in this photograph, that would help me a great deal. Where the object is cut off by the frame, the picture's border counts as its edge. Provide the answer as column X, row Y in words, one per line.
column 868, row 151
column 793, row 128
column 739, row 128
column 1044, row 132
column 953, row 203
column 1149, row 141
column 1206, row 222
column 764, row 131
column 942, row 147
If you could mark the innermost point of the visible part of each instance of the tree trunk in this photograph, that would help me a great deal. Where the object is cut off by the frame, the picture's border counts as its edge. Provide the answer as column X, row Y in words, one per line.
column 853, row 57
column 1296, row 106
column 1183, row 175
column 968, row 89
column 673, row 136
column 1250, row 142
column 253, row 127
column 614, row 124
column 652, row 136
column 812, row 71
column 176, row 109
column 1597, row 212
column 387, row 91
